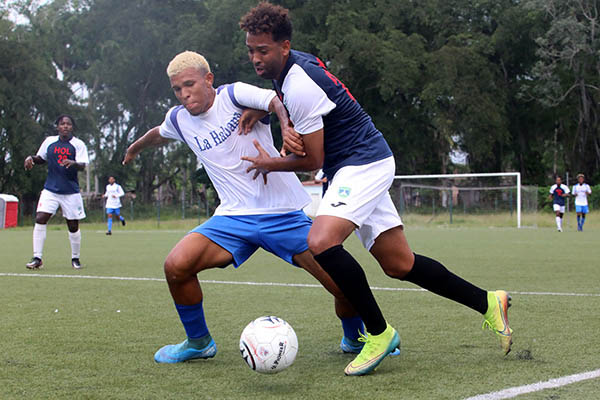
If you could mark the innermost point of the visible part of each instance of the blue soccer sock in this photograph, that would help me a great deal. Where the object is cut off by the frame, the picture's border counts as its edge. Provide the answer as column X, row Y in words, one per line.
column 109, row 223
column 121, row 218
column 579, row 222
column 192, row 318
column 352, row 327
column 582, row 222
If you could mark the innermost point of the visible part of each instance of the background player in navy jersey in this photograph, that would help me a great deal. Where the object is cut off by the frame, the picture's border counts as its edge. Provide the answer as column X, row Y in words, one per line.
column 65, row 156
column 251, row 214
column 337, row 134
column 558, row 193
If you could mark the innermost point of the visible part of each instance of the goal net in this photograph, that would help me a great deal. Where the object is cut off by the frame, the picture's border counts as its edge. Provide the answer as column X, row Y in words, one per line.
column 488, row 199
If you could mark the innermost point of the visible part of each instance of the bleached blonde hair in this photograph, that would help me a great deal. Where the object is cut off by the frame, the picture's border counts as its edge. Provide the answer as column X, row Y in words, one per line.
column 185, row 60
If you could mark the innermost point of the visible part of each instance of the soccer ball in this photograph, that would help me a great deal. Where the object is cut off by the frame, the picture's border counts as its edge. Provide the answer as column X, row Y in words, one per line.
column 268, row 345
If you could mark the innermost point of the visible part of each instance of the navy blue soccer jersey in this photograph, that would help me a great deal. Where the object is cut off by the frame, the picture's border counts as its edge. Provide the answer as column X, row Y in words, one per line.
column 557, row 192
column 316, row 99
column 62, row 180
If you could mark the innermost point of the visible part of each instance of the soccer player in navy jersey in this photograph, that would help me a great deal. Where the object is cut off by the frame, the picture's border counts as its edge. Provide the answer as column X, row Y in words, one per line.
column 250, row 215
column 65, row 156
column 333, row 131
column 558, row 193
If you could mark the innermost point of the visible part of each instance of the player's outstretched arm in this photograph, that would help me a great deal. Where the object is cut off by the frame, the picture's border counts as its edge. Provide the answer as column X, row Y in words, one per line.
column 152, row 138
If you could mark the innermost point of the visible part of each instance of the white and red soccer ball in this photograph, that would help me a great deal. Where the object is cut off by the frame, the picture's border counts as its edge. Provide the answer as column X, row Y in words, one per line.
column 268, row 345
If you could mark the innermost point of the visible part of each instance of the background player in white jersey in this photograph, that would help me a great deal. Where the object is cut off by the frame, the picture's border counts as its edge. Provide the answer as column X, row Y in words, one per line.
column 581, row 191
column 339, row 135
column 558, row 193
column 252, row 214
column 113, row 194
column 65, row 155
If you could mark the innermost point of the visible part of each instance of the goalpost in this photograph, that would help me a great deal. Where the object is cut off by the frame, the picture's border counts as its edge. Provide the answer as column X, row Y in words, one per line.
column 482, row 192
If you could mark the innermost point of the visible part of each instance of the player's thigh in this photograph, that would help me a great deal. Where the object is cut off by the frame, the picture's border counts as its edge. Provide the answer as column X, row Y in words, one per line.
column 194, row 253
column 352, row 195
column 48, row 203
column 72, row 206
column 392, row 252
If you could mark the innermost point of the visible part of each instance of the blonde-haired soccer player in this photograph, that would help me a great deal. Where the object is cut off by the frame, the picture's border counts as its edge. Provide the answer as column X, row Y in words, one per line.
column 251, row 214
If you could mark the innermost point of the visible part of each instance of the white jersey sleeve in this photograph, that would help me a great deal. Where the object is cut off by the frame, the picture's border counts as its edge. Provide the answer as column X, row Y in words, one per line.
column 43, row 150
column 552, row 189
column 81, row 152
column 252, row 96
column 566, row 189
column 306, row 102
column 167, row 130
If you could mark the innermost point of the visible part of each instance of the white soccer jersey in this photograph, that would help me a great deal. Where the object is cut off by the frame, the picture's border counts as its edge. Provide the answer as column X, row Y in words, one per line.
column 113, row 195
column 581, row 193
column 213, row 138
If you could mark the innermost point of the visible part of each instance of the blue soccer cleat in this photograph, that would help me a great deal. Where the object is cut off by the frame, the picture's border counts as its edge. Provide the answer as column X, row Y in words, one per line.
column 354, row 346
column 174, row 353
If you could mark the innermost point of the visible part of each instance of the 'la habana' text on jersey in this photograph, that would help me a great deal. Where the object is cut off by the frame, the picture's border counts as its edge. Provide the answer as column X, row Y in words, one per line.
column 316, row 99
column 557, row 192
column 213, row 137
column 60, row 179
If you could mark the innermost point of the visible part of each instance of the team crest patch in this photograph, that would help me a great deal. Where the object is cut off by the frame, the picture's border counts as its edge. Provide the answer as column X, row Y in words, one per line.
column 344, row 191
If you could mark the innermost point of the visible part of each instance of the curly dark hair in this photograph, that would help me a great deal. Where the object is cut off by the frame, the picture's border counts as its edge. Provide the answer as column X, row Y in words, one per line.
column 57, row 120
column 268, row 18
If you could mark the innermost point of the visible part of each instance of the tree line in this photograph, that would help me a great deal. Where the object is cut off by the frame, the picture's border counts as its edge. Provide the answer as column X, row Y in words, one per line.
column 511, row 84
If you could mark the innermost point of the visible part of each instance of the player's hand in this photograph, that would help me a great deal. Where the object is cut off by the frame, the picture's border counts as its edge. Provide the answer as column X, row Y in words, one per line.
column 292, row 142
column 29, row 163
column 68, row 163
column 249, row 117
column 129, row 156
column 259, row 163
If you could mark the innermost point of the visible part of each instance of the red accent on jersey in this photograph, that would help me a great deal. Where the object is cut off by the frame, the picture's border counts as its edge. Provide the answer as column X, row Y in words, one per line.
column 334, row 78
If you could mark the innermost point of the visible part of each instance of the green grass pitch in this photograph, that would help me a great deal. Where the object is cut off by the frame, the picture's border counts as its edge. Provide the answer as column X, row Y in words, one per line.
column 65, row 338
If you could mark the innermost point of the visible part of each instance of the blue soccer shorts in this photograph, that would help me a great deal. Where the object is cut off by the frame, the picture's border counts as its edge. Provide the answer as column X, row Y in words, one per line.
column 281, row 234
column 582, row 209
column 115, row 211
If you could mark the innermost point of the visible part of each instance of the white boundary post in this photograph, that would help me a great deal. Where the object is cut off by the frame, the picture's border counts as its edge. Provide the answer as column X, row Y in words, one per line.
column 476, row 175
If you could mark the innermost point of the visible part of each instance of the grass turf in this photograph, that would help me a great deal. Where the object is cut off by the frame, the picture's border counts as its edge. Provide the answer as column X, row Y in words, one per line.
column 95, row 338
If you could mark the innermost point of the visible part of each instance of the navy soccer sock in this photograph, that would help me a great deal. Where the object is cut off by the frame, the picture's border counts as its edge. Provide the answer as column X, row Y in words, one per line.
column 433, row 276
column 347, row 273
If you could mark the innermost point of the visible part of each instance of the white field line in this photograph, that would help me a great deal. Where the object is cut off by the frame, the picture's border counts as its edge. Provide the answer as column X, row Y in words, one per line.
column 307, row 285
column 536, row 387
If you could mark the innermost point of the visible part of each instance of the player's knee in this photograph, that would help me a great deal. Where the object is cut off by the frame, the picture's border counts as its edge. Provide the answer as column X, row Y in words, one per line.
column 399, row 267
column 319, row 243
column 109, row 215
column 176, row 269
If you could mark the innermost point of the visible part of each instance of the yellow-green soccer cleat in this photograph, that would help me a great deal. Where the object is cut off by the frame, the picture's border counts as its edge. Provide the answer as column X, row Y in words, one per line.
column 373, row 352
column 496, row 318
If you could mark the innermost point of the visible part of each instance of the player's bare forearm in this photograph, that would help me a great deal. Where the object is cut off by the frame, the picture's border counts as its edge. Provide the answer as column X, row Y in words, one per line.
column 263, row 163
column 152, row 138
column 277, row 107
column 292, row 141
